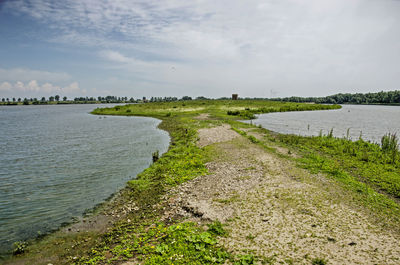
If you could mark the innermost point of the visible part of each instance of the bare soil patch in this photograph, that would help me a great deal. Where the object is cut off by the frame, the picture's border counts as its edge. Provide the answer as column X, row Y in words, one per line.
column 203, row 116
column 215, row 135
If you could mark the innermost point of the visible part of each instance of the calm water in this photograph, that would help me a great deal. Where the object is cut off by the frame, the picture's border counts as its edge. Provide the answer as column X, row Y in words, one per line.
column 372, row 122
column 58, row 161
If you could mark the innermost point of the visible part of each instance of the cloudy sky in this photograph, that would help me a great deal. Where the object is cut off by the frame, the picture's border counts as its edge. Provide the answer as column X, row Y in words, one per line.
column 135, row 48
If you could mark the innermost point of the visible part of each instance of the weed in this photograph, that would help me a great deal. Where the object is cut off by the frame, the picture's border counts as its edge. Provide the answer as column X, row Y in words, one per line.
column 319, row 261
column 253, row 139
column 348, row 134
column 216, row 228
column 233, row 198
column 250, row 237
column 247, row 259
column 330, row 133
column 390, row 145
column 19, row 247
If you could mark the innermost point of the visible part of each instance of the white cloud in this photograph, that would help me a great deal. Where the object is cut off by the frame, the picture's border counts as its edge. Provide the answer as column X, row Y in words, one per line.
column 33, row 88
column 114, row 56
column 5, row 86
column 295, row 47
column 74, row 89
column 25, row 75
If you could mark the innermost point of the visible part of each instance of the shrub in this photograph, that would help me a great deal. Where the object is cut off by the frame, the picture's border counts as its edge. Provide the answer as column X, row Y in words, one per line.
column 233, row 112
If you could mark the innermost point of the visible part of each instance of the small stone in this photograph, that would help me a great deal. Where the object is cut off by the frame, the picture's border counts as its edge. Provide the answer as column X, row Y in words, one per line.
column 352, row 243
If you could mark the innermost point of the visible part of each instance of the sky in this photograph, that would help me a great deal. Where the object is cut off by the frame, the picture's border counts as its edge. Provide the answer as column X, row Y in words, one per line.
column 136, row 48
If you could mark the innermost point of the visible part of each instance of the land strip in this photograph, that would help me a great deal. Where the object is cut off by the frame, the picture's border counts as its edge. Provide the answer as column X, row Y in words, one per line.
column 280, row 213
column 227, row 192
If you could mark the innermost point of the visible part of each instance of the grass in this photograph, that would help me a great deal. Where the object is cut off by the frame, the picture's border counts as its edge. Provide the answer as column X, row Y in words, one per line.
column 221, row 109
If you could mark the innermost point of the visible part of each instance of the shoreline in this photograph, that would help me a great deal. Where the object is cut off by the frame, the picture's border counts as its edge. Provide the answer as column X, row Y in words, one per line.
column 167, row 205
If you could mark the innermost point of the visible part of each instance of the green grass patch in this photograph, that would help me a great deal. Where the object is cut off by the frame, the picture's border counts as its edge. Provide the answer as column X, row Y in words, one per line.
column 182, row 243
column 218, row 109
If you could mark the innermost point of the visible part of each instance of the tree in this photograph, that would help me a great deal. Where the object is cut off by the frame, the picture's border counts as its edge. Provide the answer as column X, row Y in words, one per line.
column 64, row 98
column 43, row 99
column 57, row 98
column 13, row 99
column 51, row 98
column 26, row 102
column 19, row 99
column 3, row 99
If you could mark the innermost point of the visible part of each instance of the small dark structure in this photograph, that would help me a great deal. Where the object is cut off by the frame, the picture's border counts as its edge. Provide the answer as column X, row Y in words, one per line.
column 234, row 96
column 155, row 156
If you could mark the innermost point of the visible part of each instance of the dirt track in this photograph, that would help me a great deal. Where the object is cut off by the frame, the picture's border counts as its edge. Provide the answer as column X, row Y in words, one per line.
column 275, row 210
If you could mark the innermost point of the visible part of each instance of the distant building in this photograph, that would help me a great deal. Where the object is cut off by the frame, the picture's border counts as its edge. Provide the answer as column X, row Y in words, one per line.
column 234, row 96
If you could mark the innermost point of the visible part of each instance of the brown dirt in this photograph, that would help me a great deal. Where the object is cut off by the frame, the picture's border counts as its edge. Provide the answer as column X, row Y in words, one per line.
column 203, row 116
column 275, row 210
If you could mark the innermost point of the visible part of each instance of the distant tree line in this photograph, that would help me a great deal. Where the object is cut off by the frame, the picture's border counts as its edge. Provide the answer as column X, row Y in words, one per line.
column 90, row 100
column 389, row 97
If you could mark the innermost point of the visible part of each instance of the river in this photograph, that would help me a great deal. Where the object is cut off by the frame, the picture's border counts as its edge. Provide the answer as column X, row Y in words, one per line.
column 370, row 122
column 57, row 161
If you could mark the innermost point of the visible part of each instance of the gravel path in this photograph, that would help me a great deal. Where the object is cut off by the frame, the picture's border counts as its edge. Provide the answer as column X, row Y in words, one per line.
column 275, row 210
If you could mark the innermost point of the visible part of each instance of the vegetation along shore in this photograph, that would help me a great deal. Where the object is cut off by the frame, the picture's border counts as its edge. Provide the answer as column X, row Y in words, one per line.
column 379, row 98
column 228, row 192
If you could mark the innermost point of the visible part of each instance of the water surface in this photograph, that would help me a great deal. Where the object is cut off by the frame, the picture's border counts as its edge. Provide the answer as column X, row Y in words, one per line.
column 58, row 161
column 369, row 121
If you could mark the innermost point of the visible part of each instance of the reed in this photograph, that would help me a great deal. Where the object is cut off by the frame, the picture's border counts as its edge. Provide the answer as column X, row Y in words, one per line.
column 390, row 145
